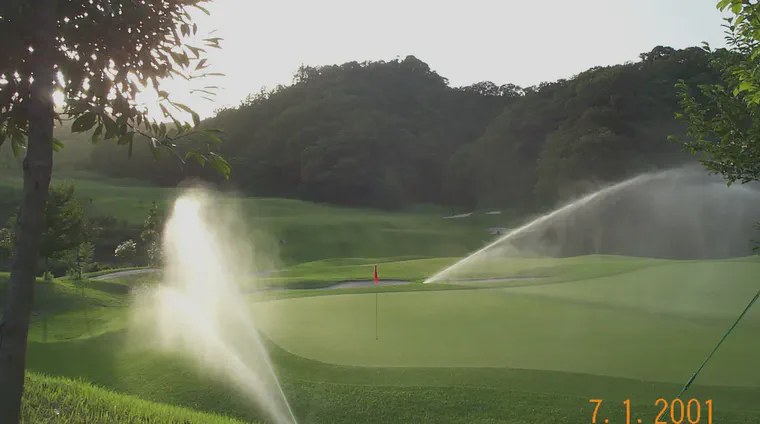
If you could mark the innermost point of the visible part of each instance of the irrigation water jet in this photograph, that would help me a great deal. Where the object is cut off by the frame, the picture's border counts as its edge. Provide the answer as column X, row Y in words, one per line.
column 680, row 213
column 199, row 312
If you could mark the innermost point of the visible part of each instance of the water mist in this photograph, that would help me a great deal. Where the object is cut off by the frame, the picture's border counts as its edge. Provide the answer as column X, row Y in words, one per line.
column 680, row 213
column 198, row 311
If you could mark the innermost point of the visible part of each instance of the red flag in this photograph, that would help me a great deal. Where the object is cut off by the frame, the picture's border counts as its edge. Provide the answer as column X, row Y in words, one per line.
column 376, row 279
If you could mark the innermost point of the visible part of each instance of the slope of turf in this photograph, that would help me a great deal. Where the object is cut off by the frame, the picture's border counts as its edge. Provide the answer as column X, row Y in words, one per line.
column 62, row 401
column 292, row 231
column 455, row 343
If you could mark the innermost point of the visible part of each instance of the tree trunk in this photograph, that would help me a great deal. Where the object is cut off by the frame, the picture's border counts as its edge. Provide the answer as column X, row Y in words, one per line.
column 37, row 166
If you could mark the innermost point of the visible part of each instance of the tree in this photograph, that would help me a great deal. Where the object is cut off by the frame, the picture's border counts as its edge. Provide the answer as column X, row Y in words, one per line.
column 6, row 244
column 151, row 234
column 99, row 54
column 153, row 225
column 64, row 223
column 723, row 119
column 390, row 134
column 78, row 260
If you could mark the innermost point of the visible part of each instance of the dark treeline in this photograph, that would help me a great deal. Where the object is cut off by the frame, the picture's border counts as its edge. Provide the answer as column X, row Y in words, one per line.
column 391, row 134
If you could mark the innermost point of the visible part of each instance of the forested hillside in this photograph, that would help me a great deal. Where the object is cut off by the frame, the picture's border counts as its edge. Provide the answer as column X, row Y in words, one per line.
column 391, row 134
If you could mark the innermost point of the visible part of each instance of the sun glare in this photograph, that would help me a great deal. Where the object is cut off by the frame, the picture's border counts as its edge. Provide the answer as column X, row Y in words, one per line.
column 59, row 99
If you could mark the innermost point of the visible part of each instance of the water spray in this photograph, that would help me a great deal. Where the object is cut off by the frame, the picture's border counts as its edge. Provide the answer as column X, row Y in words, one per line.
column 199, row 312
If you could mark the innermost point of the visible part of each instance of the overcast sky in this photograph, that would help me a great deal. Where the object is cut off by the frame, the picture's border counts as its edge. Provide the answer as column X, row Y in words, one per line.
column 506, row 41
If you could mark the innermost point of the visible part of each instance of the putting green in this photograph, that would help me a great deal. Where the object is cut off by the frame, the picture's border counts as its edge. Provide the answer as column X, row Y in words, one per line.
column 654, row 324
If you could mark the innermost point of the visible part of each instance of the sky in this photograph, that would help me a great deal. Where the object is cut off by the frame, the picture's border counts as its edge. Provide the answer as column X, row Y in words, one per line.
column 505, row 41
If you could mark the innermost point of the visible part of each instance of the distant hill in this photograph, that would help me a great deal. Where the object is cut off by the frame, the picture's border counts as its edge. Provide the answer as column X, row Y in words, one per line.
column 390, row 134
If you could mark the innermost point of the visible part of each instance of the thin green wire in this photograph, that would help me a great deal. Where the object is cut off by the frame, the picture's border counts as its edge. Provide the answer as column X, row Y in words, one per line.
column 725, row 336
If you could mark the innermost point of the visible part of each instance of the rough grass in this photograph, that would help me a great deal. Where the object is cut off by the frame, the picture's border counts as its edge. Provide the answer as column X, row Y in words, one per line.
column 62, row 401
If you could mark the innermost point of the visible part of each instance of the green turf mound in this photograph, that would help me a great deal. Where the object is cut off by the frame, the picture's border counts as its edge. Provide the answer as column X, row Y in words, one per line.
column 654, row 323
column 59, row 400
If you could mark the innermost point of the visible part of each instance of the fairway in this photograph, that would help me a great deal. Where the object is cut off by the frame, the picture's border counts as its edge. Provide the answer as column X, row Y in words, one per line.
column 654, row 324
column 289, row 232
column 505, row 339
column 533, row 352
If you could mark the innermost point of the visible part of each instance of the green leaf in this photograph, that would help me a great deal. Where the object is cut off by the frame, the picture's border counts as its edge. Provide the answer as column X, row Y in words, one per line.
column 200, row 90
column 183, row 107
column 180, row 127
column 96, row 135
column 196, row 119
column 126, row 138
column 736, row 8
column 211, row 137
column 17, row 142
column 743, row 86
column 195, row 50
column 121, row 121
column 57, row 145
column 16, row 147
column 163, row 109
column 197, row 156
column 221, row 166
column 178, row 58
column 154, row 149
column 200, row 64
column 84, row 122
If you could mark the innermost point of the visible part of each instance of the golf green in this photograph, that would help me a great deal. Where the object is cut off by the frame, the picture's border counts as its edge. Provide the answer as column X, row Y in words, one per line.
column 654, row 324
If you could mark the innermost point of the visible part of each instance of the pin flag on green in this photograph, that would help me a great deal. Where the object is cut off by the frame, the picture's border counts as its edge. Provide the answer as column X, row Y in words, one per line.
column 377, row 325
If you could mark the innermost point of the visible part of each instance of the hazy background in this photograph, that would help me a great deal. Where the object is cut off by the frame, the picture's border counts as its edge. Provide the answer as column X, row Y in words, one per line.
column 508, row 41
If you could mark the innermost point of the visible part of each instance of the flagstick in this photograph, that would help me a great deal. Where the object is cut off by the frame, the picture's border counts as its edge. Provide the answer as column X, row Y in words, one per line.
column 376, row 321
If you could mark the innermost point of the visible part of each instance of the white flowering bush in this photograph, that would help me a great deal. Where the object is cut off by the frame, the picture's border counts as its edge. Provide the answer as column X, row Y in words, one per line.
column 126, row 251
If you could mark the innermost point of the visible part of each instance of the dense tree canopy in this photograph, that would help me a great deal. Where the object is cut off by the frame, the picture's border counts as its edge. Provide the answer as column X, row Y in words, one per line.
column 723, row 118
column 389, row 134
column 99, row 55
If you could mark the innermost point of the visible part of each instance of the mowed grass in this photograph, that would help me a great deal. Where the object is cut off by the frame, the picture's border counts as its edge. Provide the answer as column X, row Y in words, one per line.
column 534, row 353
column 655, row 323
column 542, row 269
column 525, row 351
column 289, row 232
